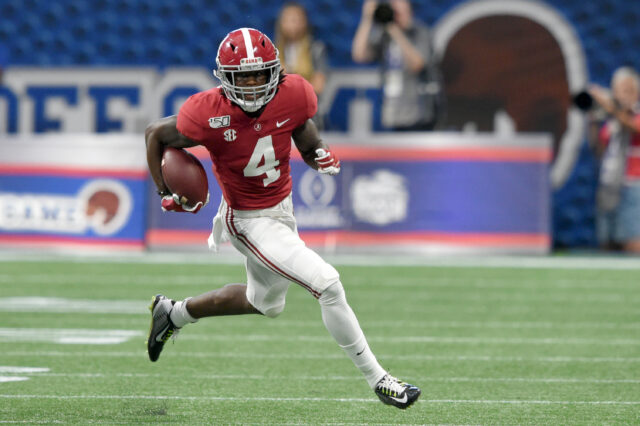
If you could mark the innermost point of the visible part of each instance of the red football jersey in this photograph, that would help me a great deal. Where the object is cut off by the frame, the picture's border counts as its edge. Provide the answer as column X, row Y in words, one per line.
column 250, row 154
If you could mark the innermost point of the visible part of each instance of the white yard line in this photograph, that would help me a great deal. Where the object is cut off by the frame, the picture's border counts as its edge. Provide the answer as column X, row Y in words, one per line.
column 453, row 283
column 315, row 399
column 555, row 380
column 501, row 282
column 419, row 339
column 183, row 355
column 485, row 324
column 22, row 370
column 64, row 305
column 68, row 335
column 530, row 380
column 518, row 304
column 5, row 379
column 88, row 336
column 135, row 306
column 110, row 279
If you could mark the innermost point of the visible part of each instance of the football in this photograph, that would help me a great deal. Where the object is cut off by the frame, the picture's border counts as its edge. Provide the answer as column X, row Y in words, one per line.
column 184, row 175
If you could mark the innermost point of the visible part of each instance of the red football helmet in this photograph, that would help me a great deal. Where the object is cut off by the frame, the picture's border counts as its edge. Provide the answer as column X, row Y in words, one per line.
column 247, row 50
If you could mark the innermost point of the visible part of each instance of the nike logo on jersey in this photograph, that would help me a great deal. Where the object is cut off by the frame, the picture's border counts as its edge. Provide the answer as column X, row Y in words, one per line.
column 281, row 123
column 360, row 353
column 400, row 400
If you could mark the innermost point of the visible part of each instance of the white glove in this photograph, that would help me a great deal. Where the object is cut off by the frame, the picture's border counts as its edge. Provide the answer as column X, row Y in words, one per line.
column 327, row 162
column 174, row 203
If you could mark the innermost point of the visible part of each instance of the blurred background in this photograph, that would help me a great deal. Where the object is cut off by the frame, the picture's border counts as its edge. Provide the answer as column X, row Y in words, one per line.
column 505, row 164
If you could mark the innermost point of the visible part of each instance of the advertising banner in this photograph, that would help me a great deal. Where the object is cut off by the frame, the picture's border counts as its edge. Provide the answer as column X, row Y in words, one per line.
column 416, row 193
column 73, row 191
column 410, row 193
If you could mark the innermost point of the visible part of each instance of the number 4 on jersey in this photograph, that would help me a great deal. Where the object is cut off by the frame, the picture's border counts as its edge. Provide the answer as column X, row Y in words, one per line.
column 264, row 149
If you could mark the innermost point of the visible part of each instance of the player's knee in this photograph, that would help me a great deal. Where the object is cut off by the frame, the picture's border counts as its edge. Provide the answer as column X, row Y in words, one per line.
column 332, row 294
column 325, row 277
column 273, row 311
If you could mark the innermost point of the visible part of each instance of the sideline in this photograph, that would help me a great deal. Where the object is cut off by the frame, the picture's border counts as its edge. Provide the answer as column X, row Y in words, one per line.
column 229, row 256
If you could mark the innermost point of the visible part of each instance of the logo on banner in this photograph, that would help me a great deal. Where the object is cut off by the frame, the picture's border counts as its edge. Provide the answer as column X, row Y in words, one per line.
column 532, row 107
column 106, row 204
column 317, row 192
column 380, row 198
column 102, row 206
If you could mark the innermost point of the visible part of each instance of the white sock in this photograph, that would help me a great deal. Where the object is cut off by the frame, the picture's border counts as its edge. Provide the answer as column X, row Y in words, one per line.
column 365, row 360
column 179, row 315
column 343, row 325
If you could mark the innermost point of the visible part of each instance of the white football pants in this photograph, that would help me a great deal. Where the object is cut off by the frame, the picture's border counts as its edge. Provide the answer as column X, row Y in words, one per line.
column 275, row 257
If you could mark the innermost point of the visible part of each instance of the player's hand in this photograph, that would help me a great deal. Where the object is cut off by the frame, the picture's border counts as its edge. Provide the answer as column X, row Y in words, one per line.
column 369, row 8
column 601, row 96
column 327, row 162
column 173, row 203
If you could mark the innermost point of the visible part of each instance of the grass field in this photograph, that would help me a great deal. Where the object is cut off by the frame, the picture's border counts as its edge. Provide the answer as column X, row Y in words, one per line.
column 487, row 346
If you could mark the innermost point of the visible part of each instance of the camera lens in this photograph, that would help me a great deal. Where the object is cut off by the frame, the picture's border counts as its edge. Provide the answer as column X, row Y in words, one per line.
column 383, row 13
column 583, row 100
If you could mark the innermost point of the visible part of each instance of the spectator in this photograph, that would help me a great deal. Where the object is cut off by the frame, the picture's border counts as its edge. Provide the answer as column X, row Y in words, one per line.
column 389, row 35
column 618, row 196
column 300, row 53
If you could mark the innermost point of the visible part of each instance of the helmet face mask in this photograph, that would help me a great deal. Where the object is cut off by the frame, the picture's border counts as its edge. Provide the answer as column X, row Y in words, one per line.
column 246, row 55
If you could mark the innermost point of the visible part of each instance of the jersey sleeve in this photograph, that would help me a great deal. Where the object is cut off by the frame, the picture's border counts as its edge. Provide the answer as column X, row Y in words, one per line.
column 188, row 123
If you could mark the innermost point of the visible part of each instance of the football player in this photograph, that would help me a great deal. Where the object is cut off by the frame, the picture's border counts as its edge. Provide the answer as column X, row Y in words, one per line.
column 247, row 125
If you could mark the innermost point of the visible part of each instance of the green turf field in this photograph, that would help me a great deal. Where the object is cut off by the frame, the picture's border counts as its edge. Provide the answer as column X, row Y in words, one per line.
column 486, row 345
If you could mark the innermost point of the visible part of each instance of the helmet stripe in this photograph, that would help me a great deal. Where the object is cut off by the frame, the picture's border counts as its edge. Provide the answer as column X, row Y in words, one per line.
column 247, row 42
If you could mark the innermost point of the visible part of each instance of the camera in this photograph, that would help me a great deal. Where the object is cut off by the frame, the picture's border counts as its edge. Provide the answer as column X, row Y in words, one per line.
column 383, row 13
column 583, row 100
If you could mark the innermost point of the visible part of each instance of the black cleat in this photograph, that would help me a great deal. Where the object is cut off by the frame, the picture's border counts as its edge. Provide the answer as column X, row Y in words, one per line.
column 161, row 326
column 395, row 392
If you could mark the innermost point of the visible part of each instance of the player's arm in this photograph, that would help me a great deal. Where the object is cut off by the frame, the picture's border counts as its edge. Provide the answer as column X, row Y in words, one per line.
column 361, row 51
column 161, row 133
column 626, row 117
column 313, row 150
column 412, row 57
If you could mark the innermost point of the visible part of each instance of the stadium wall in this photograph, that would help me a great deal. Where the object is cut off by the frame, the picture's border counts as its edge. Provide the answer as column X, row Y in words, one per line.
column 160, row 34
column 73, row 191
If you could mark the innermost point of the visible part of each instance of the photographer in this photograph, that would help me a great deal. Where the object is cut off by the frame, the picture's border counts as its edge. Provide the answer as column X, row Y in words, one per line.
column 389, row 35
column 618, row 142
